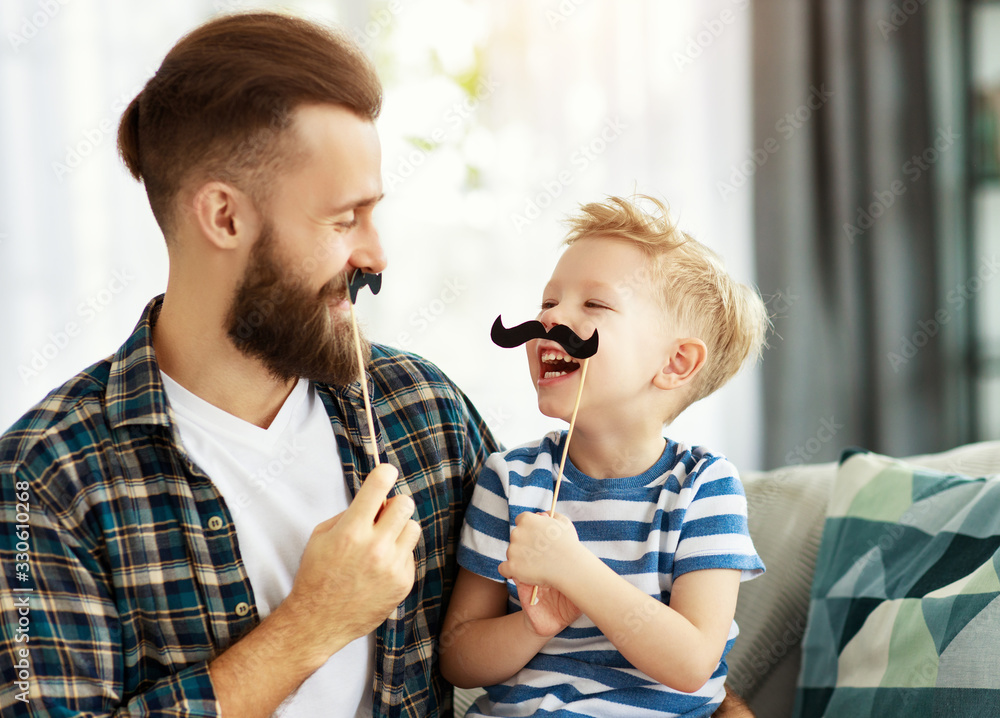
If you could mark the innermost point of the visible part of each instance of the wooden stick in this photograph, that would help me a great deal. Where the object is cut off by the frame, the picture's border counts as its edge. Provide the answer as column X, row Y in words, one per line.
column 565, row 453
column 364, row 384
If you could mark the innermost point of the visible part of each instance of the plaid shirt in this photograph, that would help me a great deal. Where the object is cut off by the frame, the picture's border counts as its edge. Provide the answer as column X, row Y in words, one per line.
column 129, row 579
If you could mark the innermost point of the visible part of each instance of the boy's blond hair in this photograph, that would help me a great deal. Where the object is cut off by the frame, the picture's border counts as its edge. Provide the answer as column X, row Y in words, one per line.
column 692, row 283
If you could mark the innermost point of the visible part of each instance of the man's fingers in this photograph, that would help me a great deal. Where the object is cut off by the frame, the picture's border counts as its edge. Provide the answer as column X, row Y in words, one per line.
column 370, row 497
column 324, row 526
column 409, row 536
column 398, row 510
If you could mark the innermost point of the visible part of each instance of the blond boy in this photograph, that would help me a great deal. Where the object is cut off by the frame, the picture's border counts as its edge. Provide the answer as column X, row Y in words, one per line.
column 640, row 567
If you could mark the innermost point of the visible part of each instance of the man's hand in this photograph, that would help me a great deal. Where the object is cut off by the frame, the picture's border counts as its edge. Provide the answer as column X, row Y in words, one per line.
column 733, row 707
column 357, row 566
column 355, row 570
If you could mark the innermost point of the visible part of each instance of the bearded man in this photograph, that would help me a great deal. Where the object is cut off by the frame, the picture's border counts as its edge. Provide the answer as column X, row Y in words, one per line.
column 194, row 526
column 203, row 526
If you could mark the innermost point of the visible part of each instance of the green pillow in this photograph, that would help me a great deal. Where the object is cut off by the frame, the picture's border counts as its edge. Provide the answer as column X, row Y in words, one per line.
column 904, row 617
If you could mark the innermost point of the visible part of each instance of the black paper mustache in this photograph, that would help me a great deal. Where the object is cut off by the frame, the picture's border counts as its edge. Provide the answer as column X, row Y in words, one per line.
column 560, row 334
column 361, row 279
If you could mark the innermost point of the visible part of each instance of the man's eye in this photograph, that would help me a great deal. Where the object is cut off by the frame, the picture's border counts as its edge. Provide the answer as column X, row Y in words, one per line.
column 348, row 225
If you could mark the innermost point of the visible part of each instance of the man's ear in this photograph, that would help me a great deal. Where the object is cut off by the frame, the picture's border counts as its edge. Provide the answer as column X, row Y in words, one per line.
column 225, row 216
column 686, row 358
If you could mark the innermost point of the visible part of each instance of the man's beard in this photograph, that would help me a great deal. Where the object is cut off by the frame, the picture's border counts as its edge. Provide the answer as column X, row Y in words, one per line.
column 287, row 327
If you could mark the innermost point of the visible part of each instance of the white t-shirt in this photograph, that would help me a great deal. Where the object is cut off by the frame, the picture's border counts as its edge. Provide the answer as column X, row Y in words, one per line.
column 278, row 483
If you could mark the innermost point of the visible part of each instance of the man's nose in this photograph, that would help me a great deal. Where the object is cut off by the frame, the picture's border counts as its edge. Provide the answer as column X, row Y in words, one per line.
column 368, row 255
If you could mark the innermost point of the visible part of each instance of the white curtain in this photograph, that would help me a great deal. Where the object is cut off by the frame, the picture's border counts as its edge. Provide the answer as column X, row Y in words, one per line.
column 499, row 118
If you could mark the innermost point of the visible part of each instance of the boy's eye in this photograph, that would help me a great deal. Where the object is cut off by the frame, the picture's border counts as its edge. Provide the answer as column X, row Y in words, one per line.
column 548, row 304
column 595, row 305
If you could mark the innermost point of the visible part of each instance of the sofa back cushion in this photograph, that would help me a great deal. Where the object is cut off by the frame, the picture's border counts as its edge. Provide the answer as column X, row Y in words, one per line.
column 785, row 512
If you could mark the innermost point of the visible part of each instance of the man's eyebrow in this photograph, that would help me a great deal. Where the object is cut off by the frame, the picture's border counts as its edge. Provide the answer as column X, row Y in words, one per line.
column 356, row 204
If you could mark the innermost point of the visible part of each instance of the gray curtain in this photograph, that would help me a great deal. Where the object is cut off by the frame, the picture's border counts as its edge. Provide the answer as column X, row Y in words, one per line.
column 845, row 229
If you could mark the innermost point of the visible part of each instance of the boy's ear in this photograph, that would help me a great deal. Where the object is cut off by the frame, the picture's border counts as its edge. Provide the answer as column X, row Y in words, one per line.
column 686, row 359
column 224, row 215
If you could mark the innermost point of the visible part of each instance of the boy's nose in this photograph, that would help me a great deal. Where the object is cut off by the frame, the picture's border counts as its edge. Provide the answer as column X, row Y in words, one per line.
column 551, row 317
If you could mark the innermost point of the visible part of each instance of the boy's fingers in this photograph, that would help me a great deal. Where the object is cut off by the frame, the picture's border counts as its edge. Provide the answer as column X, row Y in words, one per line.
column 527, row 516
column 370, row 497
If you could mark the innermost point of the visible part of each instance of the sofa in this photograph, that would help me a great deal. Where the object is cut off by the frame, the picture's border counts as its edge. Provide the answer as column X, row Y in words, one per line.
column 888, row 624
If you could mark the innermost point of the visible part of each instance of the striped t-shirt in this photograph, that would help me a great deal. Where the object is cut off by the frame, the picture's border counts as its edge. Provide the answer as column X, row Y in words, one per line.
column 685, row 513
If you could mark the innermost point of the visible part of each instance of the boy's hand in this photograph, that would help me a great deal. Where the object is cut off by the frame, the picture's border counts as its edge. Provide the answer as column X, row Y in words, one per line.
column 551, row 614
column 541, row 549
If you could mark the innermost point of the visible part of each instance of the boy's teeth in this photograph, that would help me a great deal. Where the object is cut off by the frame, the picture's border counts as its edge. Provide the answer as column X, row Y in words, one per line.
column 550, row 374
column 554, row 356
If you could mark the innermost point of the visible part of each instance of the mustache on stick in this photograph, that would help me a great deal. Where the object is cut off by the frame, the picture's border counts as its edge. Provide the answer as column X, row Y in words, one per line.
column 560, row 334
column 360, row 279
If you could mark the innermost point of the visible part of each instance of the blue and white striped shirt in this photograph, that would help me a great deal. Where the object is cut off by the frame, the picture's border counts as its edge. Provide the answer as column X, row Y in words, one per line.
column 685, row 513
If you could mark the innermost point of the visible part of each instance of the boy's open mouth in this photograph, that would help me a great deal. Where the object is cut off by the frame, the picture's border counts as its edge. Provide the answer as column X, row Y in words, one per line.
column 555, row 362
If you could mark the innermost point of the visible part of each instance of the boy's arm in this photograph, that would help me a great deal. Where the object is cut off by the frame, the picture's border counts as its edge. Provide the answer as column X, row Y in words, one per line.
column 481, row 644
column 678, row 645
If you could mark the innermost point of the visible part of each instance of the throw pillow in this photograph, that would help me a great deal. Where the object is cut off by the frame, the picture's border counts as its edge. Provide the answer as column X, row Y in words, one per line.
column 904, row 617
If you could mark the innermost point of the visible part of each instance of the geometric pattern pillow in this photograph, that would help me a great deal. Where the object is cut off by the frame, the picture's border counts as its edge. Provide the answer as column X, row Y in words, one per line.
column 904, row 616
